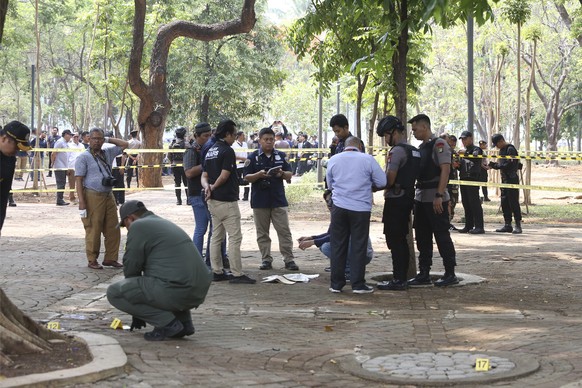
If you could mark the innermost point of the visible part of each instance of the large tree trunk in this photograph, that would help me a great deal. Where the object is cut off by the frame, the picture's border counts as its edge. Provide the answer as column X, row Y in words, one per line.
column 399, row 69
column 19, row 334
column 155, row 104
column 516, row 132
column 3, row 11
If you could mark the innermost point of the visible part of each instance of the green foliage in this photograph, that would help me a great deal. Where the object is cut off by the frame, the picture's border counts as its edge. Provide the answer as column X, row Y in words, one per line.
column 516, row 11
column 533, row 32
column 235, row 76
column 307, row 188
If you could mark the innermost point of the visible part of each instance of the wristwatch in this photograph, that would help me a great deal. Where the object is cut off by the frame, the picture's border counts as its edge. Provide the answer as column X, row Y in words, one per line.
column 439, row 195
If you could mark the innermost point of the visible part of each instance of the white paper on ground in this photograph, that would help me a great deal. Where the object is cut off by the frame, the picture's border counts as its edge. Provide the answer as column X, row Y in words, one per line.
column 290, row 278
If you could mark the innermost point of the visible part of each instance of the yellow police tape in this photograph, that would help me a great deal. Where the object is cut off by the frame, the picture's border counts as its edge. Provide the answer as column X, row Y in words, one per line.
column 320, row 185
column 531, row 155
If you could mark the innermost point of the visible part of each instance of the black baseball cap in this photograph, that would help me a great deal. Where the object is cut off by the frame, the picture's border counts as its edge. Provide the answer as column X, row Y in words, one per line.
column 466, row 134
column 67, row 132
column 20, row 133
column 496, row 138
column 128, row 208
column 202, row 128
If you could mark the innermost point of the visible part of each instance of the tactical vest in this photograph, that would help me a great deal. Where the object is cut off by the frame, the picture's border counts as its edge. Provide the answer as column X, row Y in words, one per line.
column 428, row 169
column 471, row 167
column 179, row 144
column 408, row 173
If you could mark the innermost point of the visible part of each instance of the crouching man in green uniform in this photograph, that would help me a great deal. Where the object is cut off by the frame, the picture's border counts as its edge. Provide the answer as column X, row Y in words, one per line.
column 165, row 275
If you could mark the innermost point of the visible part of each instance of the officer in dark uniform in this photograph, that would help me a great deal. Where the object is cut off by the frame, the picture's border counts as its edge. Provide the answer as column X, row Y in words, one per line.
column 401, row 171
column 431, row 205
column 484, row 171
column 177, row 158
column 509, row 197
column 470, row 170
column 118, row 173
column 13, row 137
column 265, row 169
column 452, row 188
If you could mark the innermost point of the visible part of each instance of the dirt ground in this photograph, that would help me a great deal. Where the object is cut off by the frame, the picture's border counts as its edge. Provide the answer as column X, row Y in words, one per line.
column 37, row 226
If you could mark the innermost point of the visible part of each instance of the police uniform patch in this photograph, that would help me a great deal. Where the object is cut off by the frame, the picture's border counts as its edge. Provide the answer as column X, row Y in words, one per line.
column 247, row 162
column 277, row 157
column 440, row 147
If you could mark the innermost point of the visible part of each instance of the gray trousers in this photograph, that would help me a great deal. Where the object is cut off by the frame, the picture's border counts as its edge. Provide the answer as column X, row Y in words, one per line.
column 127, row 296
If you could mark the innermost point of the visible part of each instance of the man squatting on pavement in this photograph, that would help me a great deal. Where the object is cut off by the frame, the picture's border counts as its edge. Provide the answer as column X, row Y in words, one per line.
column 165, row 276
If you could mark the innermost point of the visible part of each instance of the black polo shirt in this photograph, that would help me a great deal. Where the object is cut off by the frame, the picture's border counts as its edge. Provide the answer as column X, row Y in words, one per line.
column 270, row 192
column 221, row 157
column 7, row 167
column 193, row 158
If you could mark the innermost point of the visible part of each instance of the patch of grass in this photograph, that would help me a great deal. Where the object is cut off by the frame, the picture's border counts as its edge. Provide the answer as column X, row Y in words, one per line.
column 303, row 190
column 544, row 213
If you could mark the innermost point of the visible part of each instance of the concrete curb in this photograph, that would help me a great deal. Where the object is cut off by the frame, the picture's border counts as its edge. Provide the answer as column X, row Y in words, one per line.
column 109, row 359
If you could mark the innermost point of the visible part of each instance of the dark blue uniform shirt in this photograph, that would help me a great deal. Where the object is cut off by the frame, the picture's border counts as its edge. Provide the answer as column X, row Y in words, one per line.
column 270, row 192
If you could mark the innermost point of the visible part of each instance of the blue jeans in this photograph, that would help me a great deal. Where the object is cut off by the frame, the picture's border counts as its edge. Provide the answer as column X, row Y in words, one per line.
column 202, row 220
column 325, row 248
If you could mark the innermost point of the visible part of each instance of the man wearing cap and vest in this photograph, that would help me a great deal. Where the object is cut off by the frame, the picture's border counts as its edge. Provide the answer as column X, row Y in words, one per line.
column 13, row 137
column 402, row 168
column 165, row 276
column 431, row 207
column 509, row 196
column 470, row 170
column 97, row 208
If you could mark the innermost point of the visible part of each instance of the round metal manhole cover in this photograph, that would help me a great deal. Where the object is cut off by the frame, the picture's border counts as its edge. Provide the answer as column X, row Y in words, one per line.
column 441, row 368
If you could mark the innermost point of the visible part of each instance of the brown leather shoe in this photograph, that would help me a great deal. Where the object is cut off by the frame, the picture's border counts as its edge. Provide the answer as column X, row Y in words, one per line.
column 94, row 265
column 111, row 263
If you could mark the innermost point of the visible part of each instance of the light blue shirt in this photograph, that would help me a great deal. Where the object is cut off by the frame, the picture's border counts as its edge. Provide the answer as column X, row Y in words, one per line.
column 351, row 176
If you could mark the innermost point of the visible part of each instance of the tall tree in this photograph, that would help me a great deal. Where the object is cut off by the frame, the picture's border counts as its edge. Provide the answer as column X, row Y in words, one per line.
column 517, row 12
column 533, row 34
column 154, row 101
column 3, row 12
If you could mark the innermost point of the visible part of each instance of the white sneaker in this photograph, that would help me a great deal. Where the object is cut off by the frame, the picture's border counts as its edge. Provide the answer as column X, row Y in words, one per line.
column 365, row 289
column 334, row 290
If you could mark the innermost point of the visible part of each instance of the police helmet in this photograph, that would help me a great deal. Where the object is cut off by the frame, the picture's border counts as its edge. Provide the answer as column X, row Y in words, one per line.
column 388, row 124
column 180, row 132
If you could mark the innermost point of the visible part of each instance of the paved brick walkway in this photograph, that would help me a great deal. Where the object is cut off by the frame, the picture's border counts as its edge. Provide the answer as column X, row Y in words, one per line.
column 300, row 335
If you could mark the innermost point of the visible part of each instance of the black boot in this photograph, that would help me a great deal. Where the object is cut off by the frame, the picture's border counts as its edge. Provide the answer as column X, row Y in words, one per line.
column 448, row 279
column 178, row 197
column 506, row 229
column 11, row 202
column 517, row 229
column 422, row 279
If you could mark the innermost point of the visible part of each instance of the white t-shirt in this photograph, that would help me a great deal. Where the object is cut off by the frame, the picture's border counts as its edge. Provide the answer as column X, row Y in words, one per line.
column 240, row 154
column 78, row 148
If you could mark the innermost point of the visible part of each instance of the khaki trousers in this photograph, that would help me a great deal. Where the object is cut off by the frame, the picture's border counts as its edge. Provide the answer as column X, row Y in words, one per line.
column 21, row 162
column 71, row 178
column 280, row 219
column 101, row 219
column 225, row 220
